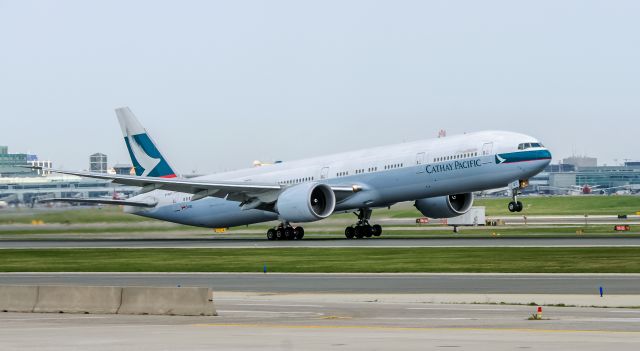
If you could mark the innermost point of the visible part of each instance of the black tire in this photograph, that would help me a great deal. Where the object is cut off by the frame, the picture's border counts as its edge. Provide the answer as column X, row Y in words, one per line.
column 368, row 231
column 298, row 233
column 377, row 230
column 289, row 233
column 271, row 234
column 359, row 232
column 512, row 206
column 279, row 234
column 519, row 206
column 349, row 232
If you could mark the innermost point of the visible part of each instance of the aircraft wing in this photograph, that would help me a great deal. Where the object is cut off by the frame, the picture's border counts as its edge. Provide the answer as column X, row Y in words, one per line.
column 245, row 192
column 100, row 201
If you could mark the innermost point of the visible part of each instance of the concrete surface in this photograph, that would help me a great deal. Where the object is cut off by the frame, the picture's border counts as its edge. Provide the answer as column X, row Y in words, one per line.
column 322, row 322
column 184, row 301
column 427, row 283
column 78, row 299
column 226, row 242
column 18, row 298
column 187, row 301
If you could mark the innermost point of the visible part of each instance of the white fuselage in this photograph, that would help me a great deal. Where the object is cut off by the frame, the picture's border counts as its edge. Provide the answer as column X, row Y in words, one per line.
column 386, row 175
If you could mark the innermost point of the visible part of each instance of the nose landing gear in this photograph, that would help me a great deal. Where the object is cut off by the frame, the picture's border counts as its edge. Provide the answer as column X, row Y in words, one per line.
column 515, row 205
column 362, row 228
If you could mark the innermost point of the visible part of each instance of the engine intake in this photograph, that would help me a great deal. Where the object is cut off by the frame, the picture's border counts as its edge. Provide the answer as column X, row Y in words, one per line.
column 306, row 202
column 445, row 206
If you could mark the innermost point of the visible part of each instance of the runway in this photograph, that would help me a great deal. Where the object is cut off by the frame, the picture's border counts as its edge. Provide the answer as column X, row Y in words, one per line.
column 316, row 322
column 352, row 283
column 226, row 242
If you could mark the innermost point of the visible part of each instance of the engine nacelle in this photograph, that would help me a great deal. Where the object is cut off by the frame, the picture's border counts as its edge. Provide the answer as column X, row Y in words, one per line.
column 306, row 202
column 445, row 206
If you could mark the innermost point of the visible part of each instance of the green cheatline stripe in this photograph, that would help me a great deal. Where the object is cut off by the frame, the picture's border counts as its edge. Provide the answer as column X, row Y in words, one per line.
column 523, row 156
column 328, row 260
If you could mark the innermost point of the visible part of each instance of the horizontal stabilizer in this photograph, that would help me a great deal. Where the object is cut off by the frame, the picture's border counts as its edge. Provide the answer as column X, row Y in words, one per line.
column 100, row 201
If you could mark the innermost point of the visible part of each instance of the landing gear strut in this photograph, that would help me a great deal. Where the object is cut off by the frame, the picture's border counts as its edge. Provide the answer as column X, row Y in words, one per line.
column 362, row 229
column 515, row 205
column 284, row 231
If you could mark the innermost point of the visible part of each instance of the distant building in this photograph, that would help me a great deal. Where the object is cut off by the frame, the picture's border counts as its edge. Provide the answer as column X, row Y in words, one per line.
column 560, row 181
column 29, row 189
column 609, row 177
column 632, row 164
column 98, row 163
column 560, row 168
column 14, row 165
column 581, row 161
column 43, row 164
column 123, row 169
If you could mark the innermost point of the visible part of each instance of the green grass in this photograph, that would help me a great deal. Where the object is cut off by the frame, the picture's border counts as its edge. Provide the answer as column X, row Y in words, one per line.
column 106, row 214
column 337, row 231
column 545, row 205
column 566, row 205
column 329, row 260
column 556, row 205
column 102, row 230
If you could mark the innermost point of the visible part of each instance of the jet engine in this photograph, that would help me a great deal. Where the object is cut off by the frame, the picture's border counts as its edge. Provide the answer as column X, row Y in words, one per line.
column 306, row 202
column 445, row 206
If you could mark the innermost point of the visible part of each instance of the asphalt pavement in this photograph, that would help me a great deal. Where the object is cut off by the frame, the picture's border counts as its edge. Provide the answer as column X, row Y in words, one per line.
column 427, row 283
column 239, row 242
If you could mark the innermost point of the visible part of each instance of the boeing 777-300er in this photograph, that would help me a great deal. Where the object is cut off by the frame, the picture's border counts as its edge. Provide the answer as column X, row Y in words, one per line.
column 440, row 175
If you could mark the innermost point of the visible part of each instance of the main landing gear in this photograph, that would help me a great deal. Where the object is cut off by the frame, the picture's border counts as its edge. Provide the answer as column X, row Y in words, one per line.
column 285, row 231
column 362, row 228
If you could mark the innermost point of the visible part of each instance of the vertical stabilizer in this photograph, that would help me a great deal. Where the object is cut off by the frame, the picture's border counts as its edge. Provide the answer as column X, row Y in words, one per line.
column 145, row 155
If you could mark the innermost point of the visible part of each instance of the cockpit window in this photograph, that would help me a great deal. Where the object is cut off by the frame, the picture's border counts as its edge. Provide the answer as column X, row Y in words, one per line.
column 525, row 146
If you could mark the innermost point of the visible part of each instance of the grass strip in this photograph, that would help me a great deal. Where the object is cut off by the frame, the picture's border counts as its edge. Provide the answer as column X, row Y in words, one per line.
column 327, row 260
column 534, row 205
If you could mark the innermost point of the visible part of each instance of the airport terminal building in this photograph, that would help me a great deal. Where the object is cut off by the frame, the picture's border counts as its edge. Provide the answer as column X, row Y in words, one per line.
column 27, row 190
column 562, row 178
column 21, row 185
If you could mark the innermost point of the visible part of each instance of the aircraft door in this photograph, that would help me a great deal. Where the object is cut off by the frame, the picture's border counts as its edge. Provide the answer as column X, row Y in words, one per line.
column 420, row 159
column 487, row 149
column 324, row 173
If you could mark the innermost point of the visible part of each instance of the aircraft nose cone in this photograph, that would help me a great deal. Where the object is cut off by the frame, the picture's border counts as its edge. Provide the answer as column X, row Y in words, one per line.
column 547, row 155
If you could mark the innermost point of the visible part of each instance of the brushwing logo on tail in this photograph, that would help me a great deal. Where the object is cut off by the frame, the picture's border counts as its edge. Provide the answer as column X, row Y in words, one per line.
column 146, row 162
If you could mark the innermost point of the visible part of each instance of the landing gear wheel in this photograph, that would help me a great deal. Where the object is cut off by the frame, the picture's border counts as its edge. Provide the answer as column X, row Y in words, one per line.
column 279, row 234
column 368, row 231
column 515, row 206
column 298, row 233
column 519, row 206
column 349, row 232
column 377, row 229
column 271, row 234
column 360, row 232
column 288, row 233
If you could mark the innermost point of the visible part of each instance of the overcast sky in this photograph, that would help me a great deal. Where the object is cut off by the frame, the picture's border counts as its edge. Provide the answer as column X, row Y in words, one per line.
column 222, row 83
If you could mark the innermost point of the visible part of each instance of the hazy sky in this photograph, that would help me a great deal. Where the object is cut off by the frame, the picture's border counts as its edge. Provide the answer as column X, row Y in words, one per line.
column 222, row 83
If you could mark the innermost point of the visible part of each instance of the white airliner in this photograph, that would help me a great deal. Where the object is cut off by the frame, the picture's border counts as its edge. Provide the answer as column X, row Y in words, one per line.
column 440, row 175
